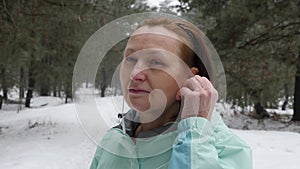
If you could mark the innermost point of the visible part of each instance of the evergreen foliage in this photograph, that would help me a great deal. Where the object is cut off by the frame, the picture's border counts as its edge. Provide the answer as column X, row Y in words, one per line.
column 258, row 42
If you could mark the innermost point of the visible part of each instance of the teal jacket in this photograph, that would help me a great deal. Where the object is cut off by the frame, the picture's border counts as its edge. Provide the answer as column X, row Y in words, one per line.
column 192, row 144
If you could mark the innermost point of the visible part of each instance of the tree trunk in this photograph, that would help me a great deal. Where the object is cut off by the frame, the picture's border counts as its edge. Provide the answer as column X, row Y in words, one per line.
column 68, row 91
column 260, row 110
column 29, row 92
column 286, row 93
column 59, row 90
column 3, row 82
column 45, row 90
column 21, row 84
column 54, row 91
column 102, row 88
column 5, row 91
column 296, row 115
column 66, row 99
column 68, row 95
column 103, row 83
column 1, row 101
column 31, row 82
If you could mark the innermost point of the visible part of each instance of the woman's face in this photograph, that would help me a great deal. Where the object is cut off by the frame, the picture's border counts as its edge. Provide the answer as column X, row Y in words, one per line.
column 152, row 71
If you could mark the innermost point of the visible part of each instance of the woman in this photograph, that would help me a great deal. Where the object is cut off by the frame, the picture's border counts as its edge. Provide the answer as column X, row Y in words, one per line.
column 171, row 95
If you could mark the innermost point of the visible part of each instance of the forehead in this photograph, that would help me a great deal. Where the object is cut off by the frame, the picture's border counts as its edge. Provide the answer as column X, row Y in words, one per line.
column 158, row 30
column 154, row 37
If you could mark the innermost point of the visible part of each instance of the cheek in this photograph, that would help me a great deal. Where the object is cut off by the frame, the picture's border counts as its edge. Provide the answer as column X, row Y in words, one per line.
column 173, row 89
column 124, row 78
column 178, row 73
column 170, row 86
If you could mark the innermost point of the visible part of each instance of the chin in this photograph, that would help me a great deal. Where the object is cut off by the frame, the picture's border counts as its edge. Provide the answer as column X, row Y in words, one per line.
column 140, row 107
column 138, row 104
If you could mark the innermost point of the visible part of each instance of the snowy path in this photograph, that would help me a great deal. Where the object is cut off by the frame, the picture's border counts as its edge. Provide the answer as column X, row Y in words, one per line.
column 55, row 141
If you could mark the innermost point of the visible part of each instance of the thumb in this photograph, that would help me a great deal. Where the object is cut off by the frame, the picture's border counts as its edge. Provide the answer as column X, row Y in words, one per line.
column 182, row 92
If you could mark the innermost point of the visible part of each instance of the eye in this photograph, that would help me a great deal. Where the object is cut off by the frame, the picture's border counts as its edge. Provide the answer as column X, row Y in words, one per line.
column 156, row 62
column 130, row 59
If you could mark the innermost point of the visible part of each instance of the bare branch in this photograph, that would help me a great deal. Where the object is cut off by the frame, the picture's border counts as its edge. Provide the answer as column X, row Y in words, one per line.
column 33, row 14
column 62, row 4
column 8, row 13
column 265, row 35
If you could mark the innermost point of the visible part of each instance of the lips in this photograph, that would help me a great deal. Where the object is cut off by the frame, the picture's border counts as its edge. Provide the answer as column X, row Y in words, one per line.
column 138, row 91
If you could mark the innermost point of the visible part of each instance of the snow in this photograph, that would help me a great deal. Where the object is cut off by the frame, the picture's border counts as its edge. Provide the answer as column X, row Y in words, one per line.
column 273, row 149
column 49, row 135
column 159, row 3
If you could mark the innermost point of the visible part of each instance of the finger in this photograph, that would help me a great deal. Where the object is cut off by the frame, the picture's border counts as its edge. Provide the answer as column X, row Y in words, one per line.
column 193, row 84
column 190, row 103
column 204, row 82
column 184, row 91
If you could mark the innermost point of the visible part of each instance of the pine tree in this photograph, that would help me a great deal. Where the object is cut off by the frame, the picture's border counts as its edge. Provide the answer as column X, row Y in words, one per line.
column 258, row 42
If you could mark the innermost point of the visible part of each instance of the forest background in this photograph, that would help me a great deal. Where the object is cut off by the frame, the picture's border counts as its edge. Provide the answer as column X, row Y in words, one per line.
column 257, row 40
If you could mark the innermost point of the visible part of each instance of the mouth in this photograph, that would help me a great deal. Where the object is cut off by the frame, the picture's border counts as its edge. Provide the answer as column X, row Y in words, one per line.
column 138, row 91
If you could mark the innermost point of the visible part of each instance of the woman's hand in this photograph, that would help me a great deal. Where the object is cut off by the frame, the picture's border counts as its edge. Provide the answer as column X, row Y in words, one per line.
column 199, row 97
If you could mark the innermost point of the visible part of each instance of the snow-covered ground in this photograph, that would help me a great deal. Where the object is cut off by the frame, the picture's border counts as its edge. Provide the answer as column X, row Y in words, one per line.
column 49, row 136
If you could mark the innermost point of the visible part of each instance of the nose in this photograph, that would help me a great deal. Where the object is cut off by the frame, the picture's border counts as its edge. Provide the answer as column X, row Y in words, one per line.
column 139, row 73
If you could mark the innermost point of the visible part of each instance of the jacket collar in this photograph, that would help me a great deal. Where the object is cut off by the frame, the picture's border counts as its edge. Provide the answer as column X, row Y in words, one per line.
column 131, row 126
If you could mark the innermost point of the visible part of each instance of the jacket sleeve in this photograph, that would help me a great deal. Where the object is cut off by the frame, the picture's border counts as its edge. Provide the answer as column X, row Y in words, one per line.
column 109, row 159
column 198, row 145
column 95, row 162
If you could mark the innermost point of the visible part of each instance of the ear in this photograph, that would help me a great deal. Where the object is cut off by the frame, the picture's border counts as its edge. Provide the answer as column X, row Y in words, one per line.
column 195, row 70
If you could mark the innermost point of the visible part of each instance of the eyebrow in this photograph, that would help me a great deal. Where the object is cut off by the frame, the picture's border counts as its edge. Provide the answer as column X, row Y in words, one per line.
column 128, row 51
column 152, row 51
